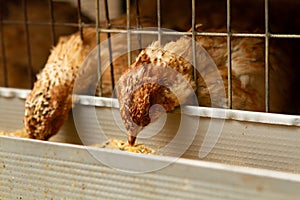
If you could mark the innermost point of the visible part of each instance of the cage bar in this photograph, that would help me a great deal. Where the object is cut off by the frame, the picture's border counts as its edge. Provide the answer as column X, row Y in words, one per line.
column 128, row 31
column 79, row 19
column 28, row 46
column 52, row 22
column 212, row 34
column 108, row 25
column 267, row 81
column 229, row 55
column 138, row 22
column 159, row 21
column 182, row 33
column 98, row 48
column 4, row 67
column 194, row 42
column 44, row 23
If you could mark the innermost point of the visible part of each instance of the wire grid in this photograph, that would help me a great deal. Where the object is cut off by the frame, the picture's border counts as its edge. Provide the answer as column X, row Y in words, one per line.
column 129, row 29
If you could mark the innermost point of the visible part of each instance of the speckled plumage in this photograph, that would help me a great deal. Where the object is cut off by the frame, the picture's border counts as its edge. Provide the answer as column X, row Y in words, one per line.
column 147, row 82
column 48, row 104
column 248, row 73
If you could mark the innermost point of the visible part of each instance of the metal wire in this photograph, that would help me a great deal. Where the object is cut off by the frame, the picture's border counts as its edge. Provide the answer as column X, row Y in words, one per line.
column 108, row 25
column 159, row 22
column 128, row 31
column 79, row 19
column 28, row 46
column 141, row 31
column 267, row 77
column 229, row 55
column 98, row 48
column 194, row 43
column 44, row 23
column 213, row 34
column 138, row 22
column 4, row 67
column 52, row 22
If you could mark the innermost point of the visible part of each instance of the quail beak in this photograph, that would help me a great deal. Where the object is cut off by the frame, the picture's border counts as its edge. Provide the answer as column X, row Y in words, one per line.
column 132, row 135
column 131, row 140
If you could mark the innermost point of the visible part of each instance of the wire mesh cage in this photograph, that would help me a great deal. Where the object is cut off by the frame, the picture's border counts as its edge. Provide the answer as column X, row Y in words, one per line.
column 35, row 27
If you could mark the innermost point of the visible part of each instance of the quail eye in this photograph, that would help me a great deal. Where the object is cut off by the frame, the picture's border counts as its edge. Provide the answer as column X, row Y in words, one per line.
column 145, row 113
